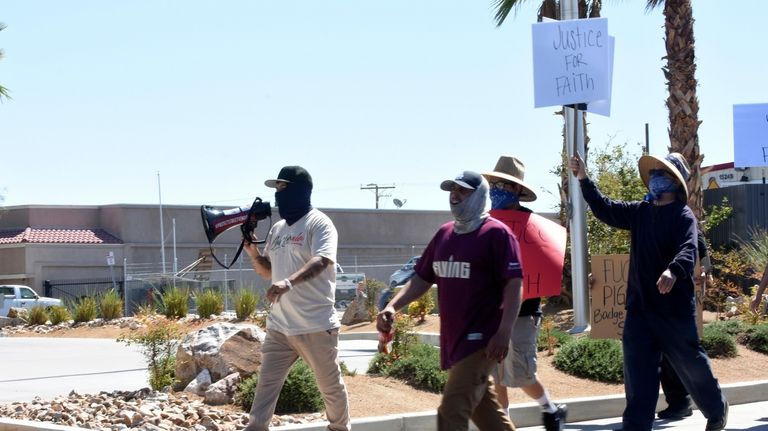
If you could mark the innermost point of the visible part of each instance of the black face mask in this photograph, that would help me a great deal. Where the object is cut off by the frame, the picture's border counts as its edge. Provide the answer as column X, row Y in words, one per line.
column 293, row 202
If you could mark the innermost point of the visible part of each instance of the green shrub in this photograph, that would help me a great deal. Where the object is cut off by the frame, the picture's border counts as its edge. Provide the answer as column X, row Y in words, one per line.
column 111, row 305
column 245, row 304
column 299, row 394
column 208, row 303
column 84, row 309
column 58, row 314
column 551, row 338
column 732, row 327
column 756, row 338
column 718, row 343
column 145, row 310
column 424, row 305
column 245, row 392
column 158, row 344
column 175, row 303
column 37, row 315
column 371, row 289
column 590, row 358
column 420, row 368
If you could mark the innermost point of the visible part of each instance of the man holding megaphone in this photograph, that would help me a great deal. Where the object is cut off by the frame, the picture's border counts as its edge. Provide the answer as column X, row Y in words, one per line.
column 298, row 257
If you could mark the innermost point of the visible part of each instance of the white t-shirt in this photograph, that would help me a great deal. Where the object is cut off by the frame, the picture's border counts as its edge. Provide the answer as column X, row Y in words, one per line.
column 309, row 306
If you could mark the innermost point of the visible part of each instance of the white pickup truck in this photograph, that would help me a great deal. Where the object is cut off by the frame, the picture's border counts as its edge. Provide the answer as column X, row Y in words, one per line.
column 346, row 286
column 18, row 296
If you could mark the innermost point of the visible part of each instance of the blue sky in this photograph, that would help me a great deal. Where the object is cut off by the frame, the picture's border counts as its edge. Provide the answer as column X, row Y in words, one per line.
column 217, row 96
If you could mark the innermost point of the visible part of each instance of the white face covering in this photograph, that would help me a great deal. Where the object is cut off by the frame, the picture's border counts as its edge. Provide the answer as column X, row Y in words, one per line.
column 470, row 213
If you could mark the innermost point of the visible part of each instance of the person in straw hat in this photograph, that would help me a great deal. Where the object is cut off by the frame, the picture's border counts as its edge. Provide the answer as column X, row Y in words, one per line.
column 518, row 370
column 660, row 306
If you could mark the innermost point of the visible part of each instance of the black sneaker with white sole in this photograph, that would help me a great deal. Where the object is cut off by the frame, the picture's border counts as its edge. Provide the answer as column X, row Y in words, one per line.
column 555, row 421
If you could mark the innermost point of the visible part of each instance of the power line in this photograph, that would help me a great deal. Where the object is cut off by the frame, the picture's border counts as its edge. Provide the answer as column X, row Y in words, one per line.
column 377, row 188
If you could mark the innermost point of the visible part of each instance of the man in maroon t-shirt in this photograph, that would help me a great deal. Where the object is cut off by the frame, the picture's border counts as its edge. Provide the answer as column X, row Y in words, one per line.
column 475, row 262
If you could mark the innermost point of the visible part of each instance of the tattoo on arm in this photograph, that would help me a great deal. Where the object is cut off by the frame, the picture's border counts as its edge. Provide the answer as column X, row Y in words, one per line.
column 264, row 262
column 314, row 269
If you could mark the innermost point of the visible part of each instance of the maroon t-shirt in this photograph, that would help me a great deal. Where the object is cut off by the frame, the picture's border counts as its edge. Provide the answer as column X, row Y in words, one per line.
column 470, row 271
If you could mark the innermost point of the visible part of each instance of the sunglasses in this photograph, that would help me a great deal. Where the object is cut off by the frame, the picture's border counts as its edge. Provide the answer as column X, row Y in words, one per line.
column 503, row 185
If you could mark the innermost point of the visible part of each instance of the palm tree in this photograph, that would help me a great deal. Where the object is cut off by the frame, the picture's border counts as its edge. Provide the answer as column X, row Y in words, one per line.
column 3, row 90
column 682, row 103
column 680, row 71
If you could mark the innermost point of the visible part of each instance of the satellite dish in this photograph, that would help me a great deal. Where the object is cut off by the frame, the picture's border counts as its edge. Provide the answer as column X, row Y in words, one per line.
column 399, row 203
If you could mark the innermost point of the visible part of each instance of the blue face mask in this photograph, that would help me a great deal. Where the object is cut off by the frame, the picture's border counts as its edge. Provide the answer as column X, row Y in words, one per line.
column 659, row 184
column 501, row 199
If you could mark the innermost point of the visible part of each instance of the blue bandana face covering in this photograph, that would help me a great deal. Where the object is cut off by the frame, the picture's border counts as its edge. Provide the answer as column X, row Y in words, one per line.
column 501, row 199
column 658, row 184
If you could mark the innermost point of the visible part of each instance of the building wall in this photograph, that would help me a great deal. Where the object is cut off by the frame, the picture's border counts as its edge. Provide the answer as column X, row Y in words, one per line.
column 376, row 242
column 750, row 212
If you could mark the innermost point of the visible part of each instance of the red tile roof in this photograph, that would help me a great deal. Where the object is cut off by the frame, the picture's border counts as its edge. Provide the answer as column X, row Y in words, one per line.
column 57, row 236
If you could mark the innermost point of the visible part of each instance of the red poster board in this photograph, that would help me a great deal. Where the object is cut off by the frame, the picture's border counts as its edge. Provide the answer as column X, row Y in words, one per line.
column 542, row 243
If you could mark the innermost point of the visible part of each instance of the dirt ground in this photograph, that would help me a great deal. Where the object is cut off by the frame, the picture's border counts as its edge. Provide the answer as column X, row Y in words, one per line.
column 367, row 392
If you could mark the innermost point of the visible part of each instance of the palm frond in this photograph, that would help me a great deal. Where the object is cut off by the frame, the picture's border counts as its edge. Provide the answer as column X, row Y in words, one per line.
column 503, row 8
column 652, row 4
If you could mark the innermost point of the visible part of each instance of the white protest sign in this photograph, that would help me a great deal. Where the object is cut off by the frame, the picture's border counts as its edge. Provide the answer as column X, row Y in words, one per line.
column 603, row 107
column 570, row 61
column 750, row 135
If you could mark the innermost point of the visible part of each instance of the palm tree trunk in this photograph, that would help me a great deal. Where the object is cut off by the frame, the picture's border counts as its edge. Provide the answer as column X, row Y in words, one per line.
column 682, row 103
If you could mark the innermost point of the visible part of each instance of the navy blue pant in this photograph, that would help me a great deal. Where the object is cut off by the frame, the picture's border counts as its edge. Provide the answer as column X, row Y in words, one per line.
column 648, row 335
column 674, row 391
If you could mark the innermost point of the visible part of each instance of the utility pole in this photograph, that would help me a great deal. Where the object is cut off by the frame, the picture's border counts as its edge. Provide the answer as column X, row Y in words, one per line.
column 377, row 187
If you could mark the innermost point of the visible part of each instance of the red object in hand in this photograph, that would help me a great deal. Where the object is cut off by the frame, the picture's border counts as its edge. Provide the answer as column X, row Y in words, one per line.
column 385, row 342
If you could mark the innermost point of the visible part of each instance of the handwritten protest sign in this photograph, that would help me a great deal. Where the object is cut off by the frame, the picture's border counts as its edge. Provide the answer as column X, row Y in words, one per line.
column 750, row 135
column 609, row 296
column 542, row 243
column 570, row 61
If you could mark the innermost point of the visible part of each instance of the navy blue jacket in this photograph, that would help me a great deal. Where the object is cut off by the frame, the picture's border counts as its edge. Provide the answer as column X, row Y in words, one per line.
column 661, row 237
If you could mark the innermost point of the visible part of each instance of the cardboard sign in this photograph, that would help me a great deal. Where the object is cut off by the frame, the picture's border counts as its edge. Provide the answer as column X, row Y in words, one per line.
column 609, row 296
column 542, row 243
column 750, row 135
column 570, row 61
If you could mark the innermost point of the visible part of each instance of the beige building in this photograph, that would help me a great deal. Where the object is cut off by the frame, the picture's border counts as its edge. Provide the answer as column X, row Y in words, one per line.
column 63, row 243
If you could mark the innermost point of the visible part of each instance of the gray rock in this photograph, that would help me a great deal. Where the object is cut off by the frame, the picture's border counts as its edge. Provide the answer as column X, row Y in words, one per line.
column 223, row 391
column 200, row 384
column 222, row 348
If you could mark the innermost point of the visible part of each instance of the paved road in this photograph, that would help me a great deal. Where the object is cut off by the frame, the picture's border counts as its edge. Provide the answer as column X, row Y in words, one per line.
column 48, row 367
column 746, row 417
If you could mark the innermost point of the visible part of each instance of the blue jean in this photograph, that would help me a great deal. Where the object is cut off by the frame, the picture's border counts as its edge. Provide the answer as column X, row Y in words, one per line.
column 648, row 335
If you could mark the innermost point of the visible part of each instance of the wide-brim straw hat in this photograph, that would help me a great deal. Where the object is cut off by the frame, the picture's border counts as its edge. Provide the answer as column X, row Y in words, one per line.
column 513, row 170
column 673, row 163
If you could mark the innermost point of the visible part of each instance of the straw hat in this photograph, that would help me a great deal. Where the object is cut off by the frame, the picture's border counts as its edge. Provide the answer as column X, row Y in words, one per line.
column 673, row 163
column 513, row 170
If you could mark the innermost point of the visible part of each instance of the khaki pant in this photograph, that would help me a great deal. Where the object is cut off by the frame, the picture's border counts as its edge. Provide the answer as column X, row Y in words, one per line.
column 320, row 351
column 469, row 394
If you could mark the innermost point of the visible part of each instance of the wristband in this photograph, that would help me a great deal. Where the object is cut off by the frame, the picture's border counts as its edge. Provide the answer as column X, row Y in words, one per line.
column 288, row 284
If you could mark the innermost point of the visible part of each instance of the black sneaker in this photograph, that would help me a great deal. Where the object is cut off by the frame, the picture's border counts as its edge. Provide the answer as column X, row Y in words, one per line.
column 718, row 424
column 555, row 421
column 675, row 413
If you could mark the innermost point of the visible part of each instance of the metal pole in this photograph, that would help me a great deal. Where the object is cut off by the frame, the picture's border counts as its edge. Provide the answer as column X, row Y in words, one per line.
column 574, row 133
column 647, row 141
column 226, row 297
column 125, row 286
column 175, row 259
column 162, row 235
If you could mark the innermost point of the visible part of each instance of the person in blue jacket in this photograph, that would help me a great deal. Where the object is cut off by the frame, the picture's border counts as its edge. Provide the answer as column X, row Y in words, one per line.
column 660, row 307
